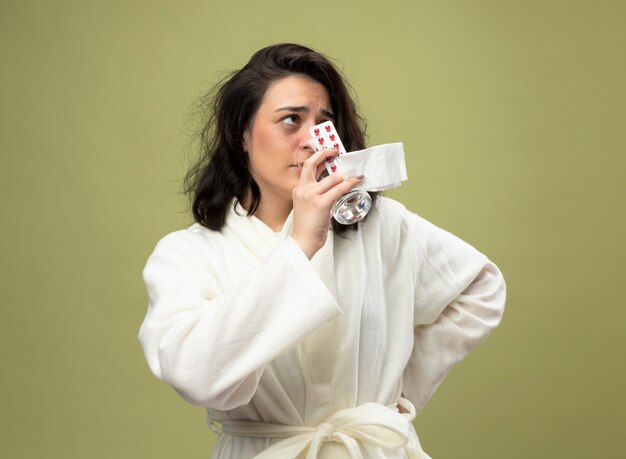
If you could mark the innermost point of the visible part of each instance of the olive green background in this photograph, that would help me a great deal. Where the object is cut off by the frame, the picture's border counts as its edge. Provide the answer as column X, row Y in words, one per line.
column 512, row 114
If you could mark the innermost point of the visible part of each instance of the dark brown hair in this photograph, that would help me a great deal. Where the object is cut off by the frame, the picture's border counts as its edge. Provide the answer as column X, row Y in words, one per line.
column 221, row 174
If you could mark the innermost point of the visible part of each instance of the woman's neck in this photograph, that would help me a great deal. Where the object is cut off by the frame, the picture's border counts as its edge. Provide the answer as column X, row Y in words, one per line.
column 272, row 212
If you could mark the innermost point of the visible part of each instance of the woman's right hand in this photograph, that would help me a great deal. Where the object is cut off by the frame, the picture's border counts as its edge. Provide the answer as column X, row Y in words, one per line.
column 313, row 201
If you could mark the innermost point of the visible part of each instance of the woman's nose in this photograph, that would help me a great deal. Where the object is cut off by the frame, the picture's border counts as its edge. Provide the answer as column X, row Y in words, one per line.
column 308, row 146
column 305, row 151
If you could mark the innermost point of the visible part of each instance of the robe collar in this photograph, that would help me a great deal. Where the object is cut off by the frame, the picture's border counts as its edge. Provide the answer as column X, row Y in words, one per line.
column 255, row 235
column 259, row 240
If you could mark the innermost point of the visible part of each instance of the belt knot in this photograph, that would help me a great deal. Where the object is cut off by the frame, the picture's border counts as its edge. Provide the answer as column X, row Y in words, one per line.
column 368, row 424
column 324, row 431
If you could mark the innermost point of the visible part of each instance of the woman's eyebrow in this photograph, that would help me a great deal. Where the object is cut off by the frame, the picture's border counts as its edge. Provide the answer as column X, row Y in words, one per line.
column 302, row 108
column 292, row 108
column 327, row 113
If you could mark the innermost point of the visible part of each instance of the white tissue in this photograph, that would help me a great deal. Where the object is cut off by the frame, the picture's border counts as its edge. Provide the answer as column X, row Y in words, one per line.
column 383, row 166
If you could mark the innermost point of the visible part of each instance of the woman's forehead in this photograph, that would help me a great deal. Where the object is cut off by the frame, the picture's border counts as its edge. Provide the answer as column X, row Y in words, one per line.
column 296, row 90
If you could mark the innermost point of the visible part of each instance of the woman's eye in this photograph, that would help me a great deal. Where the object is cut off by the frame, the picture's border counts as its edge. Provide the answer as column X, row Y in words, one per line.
column 291, row 120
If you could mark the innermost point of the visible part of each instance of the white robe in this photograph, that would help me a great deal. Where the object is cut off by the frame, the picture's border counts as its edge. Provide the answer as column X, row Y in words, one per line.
column 242, row 323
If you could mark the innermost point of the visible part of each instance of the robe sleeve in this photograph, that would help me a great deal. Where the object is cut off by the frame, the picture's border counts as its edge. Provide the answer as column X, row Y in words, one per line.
column 459, row 299
column 212, row 347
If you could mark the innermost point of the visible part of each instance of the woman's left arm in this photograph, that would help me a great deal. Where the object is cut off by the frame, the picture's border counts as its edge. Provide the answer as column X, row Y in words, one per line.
column 459, row 299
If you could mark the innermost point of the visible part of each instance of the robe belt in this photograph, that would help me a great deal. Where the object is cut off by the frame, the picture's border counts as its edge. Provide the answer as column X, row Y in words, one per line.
column 370, row 423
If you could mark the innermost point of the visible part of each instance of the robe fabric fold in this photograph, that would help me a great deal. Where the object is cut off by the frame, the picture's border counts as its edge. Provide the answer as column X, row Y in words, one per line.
column 242, row 323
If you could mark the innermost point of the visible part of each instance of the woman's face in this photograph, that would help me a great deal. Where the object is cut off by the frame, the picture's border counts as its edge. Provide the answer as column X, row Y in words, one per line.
column 276, row 139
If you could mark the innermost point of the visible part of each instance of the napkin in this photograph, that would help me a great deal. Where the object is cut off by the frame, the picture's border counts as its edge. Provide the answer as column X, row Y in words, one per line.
column 383, row 166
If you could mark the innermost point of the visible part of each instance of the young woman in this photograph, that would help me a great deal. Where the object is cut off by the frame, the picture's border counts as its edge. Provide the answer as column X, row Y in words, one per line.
column 302, row 337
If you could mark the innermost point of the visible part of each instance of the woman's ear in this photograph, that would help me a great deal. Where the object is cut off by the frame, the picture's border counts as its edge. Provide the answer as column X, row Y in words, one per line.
column 246, row 140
